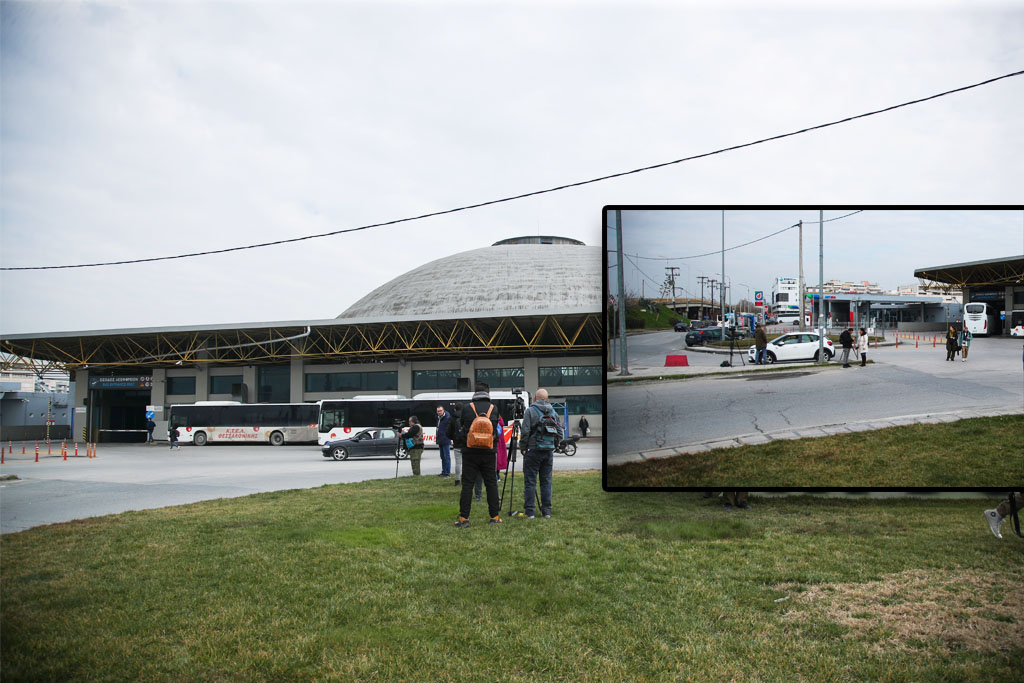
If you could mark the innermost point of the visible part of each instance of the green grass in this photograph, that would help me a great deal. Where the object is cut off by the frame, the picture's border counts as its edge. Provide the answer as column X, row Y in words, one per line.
column 982, row 452
column 371, row 581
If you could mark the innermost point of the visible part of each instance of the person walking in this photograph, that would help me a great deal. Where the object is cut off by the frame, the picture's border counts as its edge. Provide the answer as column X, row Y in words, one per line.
column 584, row 426
column 846, row 339
column 172, row 436
column 965, row 343
column 414, row 443
column 150, row 426
column 862, row 346
column 951, row 343
column 443, row 442
column 479, row 455
column 761, row 343
column 541, row 433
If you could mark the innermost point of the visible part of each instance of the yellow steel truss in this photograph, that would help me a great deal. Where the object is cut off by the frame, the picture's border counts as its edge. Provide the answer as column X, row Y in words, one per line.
column 538, row 335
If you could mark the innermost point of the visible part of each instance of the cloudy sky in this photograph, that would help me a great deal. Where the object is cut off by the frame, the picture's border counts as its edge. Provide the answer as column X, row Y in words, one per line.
column 138, row 130
column 881, row 245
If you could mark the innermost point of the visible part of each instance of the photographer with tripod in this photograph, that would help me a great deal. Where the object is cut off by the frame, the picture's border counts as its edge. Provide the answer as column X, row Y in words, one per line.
column 479, row 456
column 541, row 433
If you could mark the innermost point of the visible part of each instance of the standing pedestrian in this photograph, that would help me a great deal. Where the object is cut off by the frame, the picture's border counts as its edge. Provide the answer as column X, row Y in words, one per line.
column 951, row 343
column 414, row 443
column 541, row 433
column 846, row 339
column 584, row 426
column 862, row 346
column 150, row 426
column 965, row 343
column 458, row 441
column 480, row 427
column 761, row 343
column 443, row 442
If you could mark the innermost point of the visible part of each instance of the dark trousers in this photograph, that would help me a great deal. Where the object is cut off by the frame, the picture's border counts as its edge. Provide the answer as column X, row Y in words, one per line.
column 479, row 466
column 537, row 464
column 446, row 460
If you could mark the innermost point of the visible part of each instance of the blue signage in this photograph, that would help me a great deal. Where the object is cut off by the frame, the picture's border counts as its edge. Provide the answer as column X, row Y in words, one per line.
column 150, row 414
column 122, row 382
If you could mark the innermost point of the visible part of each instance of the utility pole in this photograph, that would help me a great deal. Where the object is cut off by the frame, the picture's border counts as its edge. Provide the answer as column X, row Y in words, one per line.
column 671, row 277
column 702, row 279
column 623, row 363
column 821, row 286
column 800, row 283
column 723, row 274
column 713, row 283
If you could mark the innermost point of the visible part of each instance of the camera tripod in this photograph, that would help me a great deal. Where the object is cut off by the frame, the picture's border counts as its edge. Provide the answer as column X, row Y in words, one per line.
column 513, row 449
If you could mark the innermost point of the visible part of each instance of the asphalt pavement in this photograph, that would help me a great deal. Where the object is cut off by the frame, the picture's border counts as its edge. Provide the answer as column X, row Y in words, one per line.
column 753, row 404
column 138, row 477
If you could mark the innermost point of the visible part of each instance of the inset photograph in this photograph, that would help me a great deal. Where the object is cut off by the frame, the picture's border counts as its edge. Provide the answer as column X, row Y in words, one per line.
column 800, row 347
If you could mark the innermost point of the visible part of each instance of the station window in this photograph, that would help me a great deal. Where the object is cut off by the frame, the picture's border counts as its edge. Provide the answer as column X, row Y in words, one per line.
column 181, row 386
column 571, row 376
column 351, row 381
column 508, row 378
column 221, row 384
column 582, row 405
column 435, row 379
column 274, row 383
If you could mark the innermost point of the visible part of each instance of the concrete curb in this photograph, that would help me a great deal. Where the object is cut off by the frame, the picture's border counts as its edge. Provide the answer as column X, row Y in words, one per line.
column 809, row 432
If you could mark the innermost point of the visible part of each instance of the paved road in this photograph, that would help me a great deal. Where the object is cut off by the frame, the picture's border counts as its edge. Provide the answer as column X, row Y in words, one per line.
column 652, row 415
column 136, row 477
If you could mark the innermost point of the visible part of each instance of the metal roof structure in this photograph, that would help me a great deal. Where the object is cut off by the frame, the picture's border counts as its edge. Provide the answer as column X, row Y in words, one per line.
column 498, row 301
column 1001, row 271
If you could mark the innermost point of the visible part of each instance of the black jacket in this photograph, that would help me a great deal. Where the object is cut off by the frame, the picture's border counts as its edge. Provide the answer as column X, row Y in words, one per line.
column 467, row 418
column 846, row 339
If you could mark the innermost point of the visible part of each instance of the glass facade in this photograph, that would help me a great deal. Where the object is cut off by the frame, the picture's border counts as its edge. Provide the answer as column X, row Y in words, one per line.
column 582, row 405
column 507, row 378
column 221, row 384
column 181, row 386
column 571, row 376
column 441, row 380
column 274, row 384
column 351, row 381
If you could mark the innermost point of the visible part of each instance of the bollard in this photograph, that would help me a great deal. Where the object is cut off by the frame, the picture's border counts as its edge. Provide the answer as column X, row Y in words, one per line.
column 76, row 449
column 23, row 448
column 49, row 448
column 10, row 447
column 37, row 451
column 916, row 344
column 933, row 342
column 65, row 454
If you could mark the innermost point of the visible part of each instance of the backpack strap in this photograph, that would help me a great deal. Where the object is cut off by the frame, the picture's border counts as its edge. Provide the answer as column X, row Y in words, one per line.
column 489, row 409
column 1015, row 514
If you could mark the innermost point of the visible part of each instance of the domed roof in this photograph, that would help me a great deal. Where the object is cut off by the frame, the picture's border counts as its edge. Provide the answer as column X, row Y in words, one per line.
column 495, row 281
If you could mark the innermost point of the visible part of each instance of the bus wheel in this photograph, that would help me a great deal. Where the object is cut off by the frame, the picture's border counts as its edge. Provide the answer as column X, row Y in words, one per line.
column 276, row 439
column 339, row 453
column 199, row 439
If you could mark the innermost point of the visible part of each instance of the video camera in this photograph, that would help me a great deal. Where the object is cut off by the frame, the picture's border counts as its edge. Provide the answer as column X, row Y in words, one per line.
column 399, row 425
column 519, row 407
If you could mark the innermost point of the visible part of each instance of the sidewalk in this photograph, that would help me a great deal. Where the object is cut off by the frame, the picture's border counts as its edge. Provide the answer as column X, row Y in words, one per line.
column 808, row 432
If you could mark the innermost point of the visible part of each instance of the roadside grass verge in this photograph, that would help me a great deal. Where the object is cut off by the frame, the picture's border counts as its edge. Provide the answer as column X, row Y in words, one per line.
column 372, row 581
column 980, row 452
column 787, row 367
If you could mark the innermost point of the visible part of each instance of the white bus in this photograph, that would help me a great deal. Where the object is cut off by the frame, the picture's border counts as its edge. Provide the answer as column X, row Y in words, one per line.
column 980, row 318
column 342, row 418
column 1017, row 323
column 233, row 422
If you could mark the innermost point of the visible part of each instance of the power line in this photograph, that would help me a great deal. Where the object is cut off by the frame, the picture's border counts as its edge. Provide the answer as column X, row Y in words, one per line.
column 745, row 244
column 527, row 194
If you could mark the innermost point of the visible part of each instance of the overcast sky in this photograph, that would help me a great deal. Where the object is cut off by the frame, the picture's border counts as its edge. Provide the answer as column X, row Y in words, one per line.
column 882, row 246
column 138, row 130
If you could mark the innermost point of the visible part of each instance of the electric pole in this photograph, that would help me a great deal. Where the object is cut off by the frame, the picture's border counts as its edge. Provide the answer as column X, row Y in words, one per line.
column 702, row 279
column 800, row 284
column 671, row 278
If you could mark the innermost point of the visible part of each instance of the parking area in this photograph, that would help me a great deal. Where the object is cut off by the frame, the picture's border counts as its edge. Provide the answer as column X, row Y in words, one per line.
column 136, row 477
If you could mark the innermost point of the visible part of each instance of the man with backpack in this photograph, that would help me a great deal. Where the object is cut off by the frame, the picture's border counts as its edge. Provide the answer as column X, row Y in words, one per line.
column 541, row 433
column 479, row 423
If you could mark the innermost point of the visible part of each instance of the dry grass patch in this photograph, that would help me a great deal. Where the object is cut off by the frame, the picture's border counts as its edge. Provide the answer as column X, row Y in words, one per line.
column 914, row 609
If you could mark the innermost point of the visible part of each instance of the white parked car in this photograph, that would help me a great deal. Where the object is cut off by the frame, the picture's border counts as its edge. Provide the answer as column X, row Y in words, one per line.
column 794, row 346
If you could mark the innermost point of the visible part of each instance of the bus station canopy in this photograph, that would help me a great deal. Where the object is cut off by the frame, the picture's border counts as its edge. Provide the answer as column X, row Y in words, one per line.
column 1003, row 271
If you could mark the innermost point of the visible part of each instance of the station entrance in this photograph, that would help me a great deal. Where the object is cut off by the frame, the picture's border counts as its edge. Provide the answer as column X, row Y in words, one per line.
column 117, row 408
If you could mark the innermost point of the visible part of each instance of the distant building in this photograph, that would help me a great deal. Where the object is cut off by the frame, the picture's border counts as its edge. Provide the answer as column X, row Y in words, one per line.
column 785, row 296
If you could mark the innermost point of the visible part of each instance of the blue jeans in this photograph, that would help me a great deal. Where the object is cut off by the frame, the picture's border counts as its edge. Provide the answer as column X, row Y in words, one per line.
column 761, row 356
column 446, row 459
column 537, row 463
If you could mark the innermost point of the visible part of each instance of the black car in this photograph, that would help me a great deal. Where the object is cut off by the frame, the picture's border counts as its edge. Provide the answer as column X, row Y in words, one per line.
column 379, row 443
column 680, row 327
column 712, row 334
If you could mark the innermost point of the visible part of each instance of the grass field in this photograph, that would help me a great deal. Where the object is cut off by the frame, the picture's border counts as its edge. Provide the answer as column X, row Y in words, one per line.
column 371, row 581
column 979, row 452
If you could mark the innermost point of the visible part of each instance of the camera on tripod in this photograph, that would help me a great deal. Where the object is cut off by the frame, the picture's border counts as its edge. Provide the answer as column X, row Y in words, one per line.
column 519, row 407
column 399, row 425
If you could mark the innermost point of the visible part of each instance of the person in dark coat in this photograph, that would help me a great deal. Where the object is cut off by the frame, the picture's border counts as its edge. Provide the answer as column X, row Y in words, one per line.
column 478, row 461
column 414, row 432
column 150, row 426
column 584, row 426
column 951, row 344
column 443, row 442
column 458, row 441
column 846, row 339
column 761, row 343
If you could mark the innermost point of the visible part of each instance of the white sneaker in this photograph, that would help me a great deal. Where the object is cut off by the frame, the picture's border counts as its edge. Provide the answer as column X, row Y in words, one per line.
column 994, row 522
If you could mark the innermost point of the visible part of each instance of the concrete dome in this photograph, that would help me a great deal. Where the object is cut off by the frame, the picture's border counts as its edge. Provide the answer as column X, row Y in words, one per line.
column 500, row 280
